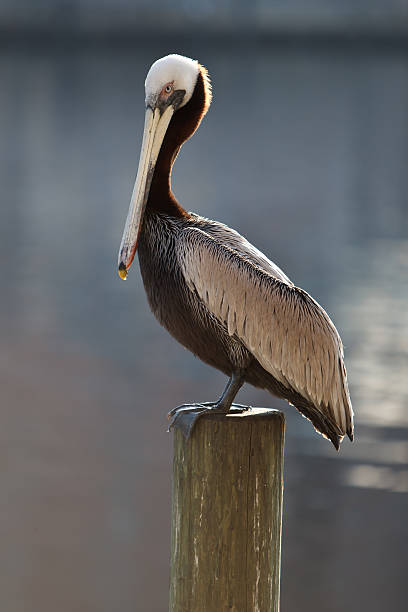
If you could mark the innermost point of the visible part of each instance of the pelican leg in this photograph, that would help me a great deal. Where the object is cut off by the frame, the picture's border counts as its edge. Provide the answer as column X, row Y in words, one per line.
column 184, row 417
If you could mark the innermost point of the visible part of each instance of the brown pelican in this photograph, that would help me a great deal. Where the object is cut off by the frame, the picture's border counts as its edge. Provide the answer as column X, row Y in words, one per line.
column 212, row 290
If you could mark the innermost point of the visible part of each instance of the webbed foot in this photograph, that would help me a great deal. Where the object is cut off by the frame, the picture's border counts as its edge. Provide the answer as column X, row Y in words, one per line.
column 184, row 417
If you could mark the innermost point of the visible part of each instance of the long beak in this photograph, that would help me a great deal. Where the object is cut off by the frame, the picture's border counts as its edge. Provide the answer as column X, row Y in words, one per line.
column 156, row 124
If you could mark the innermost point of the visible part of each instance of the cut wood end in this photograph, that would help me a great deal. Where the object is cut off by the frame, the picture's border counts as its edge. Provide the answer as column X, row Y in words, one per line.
column 249, row 412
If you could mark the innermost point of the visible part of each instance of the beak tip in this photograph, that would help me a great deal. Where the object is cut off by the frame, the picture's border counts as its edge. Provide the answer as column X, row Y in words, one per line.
column 122, row 271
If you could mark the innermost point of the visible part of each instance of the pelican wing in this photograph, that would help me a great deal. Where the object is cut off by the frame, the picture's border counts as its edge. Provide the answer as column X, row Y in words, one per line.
column 230, row 237
column 290, row 335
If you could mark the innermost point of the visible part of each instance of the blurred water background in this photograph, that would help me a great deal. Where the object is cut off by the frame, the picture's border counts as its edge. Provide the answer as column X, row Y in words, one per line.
column 304, row 151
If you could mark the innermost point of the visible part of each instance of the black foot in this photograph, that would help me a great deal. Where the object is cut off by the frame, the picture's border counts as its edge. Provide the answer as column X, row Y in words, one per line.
column 184, row 417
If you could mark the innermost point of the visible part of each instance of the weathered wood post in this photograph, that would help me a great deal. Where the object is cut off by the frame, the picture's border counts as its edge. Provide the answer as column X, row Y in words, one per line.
column 227, row 514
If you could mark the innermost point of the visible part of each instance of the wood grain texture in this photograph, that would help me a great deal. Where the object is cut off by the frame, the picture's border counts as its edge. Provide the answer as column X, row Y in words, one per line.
column 227, row 514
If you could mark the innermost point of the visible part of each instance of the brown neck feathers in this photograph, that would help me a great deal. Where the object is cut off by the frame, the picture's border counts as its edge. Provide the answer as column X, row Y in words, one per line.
column 183, row 124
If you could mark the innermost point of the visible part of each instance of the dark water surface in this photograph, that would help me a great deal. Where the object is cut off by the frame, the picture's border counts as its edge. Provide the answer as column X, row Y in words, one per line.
column 303, row 151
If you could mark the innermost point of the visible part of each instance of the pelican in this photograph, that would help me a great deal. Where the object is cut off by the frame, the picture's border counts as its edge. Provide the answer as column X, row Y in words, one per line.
column 215, row 293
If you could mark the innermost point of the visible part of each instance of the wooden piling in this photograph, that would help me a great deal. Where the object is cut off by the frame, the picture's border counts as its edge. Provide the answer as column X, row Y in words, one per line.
column 227, row 514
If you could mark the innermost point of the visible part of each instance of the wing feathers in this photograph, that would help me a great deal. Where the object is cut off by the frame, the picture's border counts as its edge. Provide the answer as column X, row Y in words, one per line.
column 290, row 335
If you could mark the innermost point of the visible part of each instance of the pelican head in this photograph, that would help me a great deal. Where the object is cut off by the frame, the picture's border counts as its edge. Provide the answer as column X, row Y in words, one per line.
column 169, row 86
column 171, row 80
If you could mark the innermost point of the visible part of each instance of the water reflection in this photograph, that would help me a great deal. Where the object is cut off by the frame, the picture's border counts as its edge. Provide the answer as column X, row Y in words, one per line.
column 320, row 152
column 375, row 309
column 371, row 477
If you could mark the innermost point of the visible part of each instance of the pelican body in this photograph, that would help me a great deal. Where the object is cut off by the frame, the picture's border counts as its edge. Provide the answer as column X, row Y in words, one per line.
column 212, row 290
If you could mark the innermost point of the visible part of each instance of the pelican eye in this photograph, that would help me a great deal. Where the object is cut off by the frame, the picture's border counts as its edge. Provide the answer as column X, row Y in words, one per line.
column 168, row 89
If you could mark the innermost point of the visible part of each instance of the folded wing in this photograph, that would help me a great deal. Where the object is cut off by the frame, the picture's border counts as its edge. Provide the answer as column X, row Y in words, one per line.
column 287, row 331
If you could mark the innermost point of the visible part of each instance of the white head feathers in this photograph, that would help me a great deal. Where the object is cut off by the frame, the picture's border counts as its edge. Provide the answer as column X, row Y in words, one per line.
column 180, row 70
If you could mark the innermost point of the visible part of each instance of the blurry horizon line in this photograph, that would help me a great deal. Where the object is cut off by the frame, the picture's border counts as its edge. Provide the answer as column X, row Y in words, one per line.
column 391, row 32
